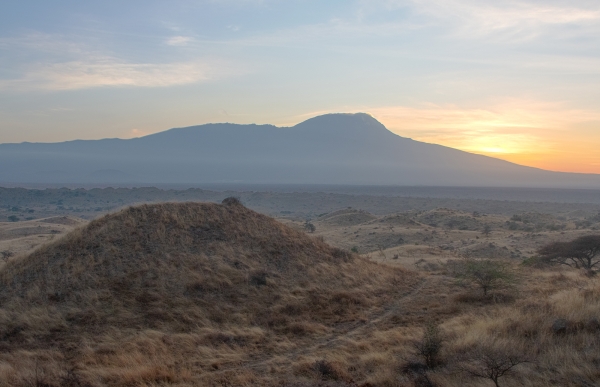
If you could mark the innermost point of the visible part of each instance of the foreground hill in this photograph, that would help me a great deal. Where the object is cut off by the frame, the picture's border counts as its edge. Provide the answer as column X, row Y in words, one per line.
column 218, row 295
column 174, row 293
column 329, row 149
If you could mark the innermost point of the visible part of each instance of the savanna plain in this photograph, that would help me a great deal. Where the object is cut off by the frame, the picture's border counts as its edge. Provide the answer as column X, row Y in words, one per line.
column 166, row 287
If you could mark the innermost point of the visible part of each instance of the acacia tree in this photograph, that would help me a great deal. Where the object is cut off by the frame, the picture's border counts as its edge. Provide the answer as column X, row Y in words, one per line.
column 486, row 274
column 580, row 253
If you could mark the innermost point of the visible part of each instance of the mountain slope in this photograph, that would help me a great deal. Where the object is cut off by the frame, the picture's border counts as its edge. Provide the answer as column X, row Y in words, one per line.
column 329, row 149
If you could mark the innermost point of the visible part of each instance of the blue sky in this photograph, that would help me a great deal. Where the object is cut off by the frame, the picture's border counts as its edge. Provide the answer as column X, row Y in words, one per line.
column 518, row 80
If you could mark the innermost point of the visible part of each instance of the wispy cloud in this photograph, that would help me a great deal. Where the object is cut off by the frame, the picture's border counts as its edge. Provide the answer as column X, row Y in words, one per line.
column 111, row 72
column 179, row 40
column 43, row 43
column 491, row 20
column 526, row 18
column 71, row 65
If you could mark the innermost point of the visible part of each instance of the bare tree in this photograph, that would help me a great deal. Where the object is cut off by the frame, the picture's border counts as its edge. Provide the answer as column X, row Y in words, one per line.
column 492, row 362
column 583, row 252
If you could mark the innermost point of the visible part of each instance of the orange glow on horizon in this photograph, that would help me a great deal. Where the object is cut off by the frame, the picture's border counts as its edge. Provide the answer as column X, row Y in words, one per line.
column 542, row 135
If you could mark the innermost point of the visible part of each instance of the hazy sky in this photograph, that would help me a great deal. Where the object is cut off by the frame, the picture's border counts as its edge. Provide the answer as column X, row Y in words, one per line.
column 519, row 80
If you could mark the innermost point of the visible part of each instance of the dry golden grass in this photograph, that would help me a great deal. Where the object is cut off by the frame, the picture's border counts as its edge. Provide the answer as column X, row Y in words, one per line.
column 218, row 295
column 180, row 294
column 22, row 238
column 568, row 358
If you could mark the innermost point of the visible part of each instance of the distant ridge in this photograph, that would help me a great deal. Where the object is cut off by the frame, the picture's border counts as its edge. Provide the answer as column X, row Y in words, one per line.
column 330, row 149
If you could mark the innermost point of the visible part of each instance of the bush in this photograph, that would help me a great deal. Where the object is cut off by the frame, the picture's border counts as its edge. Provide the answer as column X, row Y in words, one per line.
column 486, row 274
column 258, row 278
column 6, row 254
column 309, row 227
column 232, row 201
column 487, row 230
column 430, row 345
column 329, row 371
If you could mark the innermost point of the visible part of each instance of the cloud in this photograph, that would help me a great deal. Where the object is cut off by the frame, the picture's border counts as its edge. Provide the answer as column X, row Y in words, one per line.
column 179, row 40
column 527, row 18
column 491, row 20
column 111, row 72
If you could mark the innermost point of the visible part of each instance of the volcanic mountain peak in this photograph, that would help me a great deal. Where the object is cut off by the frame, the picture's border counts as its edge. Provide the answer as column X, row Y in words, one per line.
column 343, row 123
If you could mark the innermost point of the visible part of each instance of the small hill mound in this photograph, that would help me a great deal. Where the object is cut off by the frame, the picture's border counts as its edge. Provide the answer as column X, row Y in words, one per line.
column 347, row 217
column 447, row 218
column 535, row 221
column 183, row 276
column 402, row 219
column 65, row 220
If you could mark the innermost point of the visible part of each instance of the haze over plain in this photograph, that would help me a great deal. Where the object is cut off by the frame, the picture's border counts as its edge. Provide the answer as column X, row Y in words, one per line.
column 516, row 80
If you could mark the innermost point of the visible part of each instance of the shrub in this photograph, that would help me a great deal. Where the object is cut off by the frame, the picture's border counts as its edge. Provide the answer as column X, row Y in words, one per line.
column 329, row 371
column 6, row 254
column 309, row 227
column 258, row 278
column 232, row 201
column 430, row 345
column 486, row 274
column 487, row 230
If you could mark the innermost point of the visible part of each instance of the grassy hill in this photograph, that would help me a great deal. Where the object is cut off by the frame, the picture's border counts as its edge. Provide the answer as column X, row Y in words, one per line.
column 199, row 294
column 178, row 294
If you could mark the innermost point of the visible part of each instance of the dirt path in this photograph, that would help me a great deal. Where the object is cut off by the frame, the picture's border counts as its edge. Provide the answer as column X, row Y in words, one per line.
column 342, row 332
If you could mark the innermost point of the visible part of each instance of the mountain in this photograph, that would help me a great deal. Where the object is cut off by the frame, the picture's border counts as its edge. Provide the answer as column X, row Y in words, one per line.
column 329, row 149
column 167, row 294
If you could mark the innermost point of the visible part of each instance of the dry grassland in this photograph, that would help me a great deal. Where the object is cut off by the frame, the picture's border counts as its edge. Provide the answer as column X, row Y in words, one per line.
column 218, row 295
column 21, row 238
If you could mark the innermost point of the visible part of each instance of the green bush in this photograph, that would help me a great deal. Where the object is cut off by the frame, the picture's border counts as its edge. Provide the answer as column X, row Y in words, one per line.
column 486, row 274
